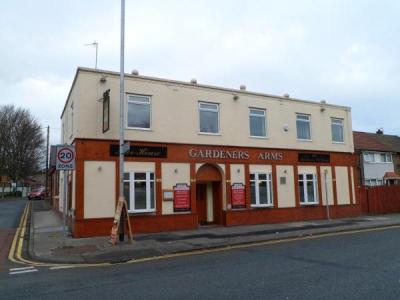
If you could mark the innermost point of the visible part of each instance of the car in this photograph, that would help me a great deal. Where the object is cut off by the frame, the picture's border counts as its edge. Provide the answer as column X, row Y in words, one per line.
column 38, row 193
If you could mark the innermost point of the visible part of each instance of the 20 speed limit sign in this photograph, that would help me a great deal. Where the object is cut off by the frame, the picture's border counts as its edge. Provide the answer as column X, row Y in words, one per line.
column 65, row 159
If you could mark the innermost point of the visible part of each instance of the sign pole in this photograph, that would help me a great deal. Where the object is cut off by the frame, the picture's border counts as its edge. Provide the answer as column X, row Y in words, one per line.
column 65, row 207
column 65, row 161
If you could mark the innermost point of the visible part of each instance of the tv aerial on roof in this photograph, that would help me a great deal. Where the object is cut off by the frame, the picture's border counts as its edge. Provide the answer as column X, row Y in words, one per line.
column 96, row 45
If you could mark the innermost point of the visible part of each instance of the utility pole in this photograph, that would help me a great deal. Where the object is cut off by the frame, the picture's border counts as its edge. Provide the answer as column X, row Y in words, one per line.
column 122, row 119
column 47, row 161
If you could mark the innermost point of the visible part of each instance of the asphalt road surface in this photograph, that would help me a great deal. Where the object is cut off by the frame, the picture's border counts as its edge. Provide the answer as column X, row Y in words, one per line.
column 355, row 266
column 10, row 214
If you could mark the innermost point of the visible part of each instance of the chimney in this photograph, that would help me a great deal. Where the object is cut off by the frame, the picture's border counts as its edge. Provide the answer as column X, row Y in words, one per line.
column 379, row 131
column 242, row 87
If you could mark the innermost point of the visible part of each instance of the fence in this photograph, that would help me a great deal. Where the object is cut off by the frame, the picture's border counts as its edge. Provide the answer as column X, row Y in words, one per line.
column 21, row 191
column 380, row 199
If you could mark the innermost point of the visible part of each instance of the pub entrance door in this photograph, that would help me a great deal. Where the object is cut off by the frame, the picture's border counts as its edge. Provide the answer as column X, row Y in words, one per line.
column 209, row 195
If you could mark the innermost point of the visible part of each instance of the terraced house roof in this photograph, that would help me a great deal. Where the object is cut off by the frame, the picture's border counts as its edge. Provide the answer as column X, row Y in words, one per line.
column 376, row 142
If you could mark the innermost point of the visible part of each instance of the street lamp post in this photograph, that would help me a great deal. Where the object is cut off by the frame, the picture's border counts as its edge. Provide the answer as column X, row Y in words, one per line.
column 122, row 118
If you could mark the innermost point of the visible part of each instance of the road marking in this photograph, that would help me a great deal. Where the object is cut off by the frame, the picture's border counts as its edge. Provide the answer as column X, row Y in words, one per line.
column 23, row 272
column 20, row 269
column 14, row 242
column 15, row 254
column 61, row 267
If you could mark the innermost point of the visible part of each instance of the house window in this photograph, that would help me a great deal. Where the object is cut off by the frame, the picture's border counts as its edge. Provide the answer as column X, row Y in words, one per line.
column 257, row 122
column 139, row 191
column 337, row 130
column 374, row 182
column 209, row 117
column 138, row 112
column 369, row 157
column 71, row 120
column 378, row 157
column 308, row 188
column 261, row 189
column 303, row 127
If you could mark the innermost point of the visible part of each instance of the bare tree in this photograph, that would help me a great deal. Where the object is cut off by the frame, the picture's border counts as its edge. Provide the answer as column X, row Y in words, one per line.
column 22, row 145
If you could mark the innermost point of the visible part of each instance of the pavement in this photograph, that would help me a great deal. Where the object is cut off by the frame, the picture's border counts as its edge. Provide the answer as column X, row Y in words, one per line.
column 46, row 238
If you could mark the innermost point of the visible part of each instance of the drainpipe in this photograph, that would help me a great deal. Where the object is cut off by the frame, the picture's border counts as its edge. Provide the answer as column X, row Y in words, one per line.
column 326, row 195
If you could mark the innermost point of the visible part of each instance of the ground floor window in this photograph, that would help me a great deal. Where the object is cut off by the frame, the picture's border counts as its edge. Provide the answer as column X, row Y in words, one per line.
column 373, row 182
column 261, row 189
column 139, row 191
column 308, row 187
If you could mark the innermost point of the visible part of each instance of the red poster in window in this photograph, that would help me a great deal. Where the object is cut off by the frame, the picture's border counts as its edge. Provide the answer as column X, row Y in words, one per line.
column 181, row 197
column 238, row 196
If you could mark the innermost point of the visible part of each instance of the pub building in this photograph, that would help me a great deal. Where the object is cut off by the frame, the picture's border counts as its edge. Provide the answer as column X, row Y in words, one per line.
column 201, row 154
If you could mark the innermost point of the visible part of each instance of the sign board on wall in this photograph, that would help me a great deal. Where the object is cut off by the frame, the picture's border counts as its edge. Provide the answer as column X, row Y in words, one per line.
column 238, row 195
column 65, row 158
column 140, row 151
column 181, row 197
column 314, row 157
column 168, row 195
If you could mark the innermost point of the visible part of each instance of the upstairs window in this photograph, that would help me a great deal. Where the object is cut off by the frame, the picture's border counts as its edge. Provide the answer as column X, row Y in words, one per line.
column 257, row 122
column 303, row 124
column 209, row 117
column 138, row 112
column 371, row 157
column 337, row 130
column 71, row 119
column 308, row 187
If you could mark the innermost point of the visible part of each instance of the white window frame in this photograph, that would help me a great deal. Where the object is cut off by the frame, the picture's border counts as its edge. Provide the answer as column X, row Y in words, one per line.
column 270, row 195
column 132, row 181
column 337, row 122
column 212, row 110
column 368, row 157
column 305, row 121
column 375, row 157
column 315, row 188
column 71, row 121
column 138, row 103
column 374, row 182
column 264, row 111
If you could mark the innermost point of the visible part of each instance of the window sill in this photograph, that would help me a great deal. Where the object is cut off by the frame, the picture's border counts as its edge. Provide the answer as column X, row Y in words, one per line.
column 209, row 133
column 142, row 212
column 304, row 140
column 339, row 143
column 262, row 206
column 259, row 137
column 138, row 128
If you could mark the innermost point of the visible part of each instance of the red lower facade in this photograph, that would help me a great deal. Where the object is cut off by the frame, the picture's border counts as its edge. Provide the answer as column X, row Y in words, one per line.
column 211, row 173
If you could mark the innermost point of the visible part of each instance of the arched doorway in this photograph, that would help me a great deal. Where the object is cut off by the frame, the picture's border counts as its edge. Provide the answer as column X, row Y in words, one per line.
column 209, row 195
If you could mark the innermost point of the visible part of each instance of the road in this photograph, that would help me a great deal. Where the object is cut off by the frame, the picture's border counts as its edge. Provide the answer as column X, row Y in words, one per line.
column 354, row 266
column 10, row 213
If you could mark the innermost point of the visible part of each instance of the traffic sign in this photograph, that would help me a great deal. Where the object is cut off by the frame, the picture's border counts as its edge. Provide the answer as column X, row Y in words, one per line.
column 65, row 158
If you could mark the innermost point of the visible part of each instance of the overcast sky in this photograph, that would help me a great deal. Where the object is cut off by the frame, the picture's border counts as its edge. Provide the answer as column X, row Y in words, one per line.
column 346, row 52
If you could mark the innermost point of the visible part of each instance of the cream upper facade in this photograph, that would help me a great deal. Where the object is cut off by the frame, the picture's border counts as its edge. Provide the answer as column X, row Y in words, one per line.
column 174, row 115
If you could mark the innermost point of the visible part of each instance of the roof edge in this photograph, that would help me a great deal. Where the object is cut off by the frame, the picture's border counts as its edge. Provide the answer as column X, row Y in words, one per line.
column 238, row 91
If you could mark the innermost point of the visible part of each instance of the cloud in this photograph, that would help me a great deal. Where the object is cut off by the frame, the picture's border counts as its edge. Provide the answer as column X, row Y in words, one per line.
column 345, row 52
